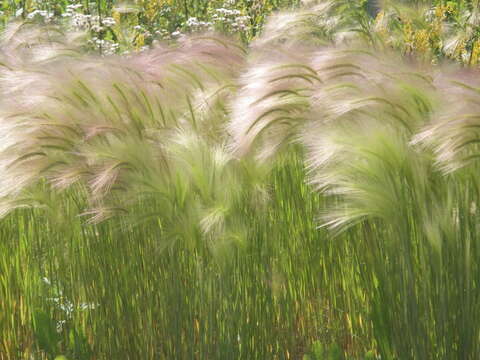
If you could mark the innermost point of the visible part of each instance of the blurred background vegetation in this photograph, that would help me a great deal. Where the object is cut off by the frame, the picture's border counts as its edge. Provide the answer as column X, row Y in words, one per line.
column 437, row 28
column 138, row 23
column 117, row 26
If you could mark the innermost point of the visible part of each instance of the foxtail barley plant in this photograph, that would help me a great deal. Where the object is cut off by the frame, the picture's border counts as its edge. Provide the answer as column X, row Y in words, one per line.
column 311, row 194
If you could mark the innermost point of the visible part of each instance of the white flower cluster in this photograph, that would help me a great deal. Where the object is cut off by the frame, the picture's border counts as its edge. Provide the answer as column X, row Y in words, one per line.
column 107, row 47
column 108, row 21
column 227, row 17
column 140, row 29
column 86, row 21
column 47, row 16
column 176, row 34
column 73, row 7
column 65, row 305
column 230, row 17
column 71, row 10
column 94, row 23
column 228, row 12
column 195, row 25
column 162, row 34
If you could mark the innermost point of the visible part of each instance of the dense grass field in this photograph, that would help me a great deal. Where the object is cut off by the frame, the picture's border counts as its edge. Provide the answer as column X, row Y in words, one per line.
column 239, row 180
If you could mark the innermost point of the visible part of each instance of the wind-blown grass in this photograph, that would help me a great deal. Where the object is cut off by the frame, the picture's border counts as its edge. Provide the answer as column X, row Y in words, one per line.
column 317, row 189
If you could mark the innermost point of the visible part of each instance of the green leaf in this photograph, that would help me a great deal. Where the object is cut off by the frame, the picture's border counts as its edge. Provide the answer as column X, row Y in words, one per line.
column 45, row 331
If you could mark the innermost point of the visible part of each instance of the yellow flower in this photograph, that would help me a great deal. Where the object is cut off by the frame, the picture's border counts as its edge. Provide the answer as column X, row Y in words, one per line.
column 139, row 41
column 422, row 41
column 117, row 17
column 152, row 7
column 475, row 53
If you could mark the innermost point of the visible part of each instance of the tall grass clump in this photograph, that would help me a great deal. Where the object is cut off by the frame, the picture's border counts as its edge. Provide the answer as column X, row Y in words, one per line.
column 119, row 170
column 384, row 143
column 310, row 195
